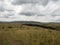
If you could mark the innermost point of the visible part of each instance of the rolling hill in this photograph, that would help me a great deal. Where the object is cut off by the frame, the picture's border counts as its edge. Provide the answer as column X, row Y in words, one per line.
column 29, row 33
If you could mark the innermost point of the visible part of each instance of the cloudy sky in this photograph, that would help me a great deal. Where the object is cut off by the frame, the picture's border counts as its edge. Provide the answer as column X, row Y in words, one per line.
column 30, row 10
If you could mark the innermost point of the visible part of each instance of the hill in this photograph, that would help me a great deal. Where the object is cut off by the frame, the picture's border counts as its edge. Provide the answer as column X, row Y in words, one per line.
column 29, row 33
column 53, row 26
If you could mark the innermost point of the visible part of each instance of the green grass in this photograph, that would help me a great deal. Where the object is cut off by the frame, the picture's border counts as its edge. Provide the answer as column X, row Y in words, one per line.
column 18, row 34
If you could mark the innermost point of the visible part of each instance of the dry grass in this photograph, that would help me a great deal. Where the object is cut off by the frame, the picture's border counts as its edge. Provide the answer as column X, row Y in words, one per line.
column 28, row 35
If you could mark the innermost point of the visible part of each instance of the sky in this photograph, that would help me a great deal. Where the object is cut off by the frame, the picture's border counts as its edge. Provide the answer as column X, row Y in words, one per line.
column 30, row 10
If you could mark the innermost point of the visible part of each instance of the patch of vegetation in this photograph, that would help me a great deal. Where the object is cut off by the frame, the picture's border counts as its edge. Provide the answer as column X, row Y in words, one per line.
column 23, row 34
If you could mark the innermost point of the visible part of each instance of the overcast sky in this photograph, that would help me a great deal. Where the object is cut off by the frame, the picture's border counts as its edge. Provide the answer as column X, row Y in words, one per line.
column 30, row 10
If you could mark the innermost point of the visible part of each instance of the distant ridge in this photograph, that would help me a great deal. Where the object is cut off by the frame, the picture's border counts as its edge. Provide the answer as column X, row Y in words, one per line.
column 54, row 26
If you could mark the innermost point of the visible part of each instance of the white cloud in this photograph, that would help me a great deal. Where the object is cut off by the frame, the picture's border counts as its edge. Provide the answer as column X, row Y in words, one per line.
column 30, row 12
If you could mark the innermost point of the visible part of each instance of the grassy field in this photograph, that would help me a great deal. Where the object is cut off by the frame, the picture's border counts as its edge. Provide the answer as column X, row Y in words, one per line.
column 18, row 34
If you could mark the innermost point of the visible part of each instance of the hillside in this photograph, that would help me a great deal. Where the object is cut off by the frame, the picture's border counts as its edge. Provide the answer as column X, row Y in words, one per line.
column 29, row 33
column 53, row 26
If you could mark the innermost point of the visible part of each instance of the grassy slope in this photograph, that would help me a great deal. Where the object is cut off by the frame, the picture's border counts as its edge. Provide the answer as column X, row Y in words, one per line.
column 18, row 34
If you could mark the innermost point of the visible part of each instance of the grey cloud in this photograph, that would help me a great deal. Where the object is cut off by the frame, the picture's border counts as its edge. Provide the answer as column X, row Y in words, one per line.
column 7, row 15
column 30, row 14
column 9, row 10
column 55, row 0
column 19, row 2
column 56, row 12
column 30, row 10
column 27, row 13
column 1, row 9
column 2, row 6
column 1, row 0
column 58, row 20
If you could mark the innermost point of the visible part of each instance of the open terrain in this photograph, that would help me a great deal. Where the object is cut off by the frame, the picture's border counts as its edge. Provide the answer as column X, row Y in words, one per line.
column 29, row 33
